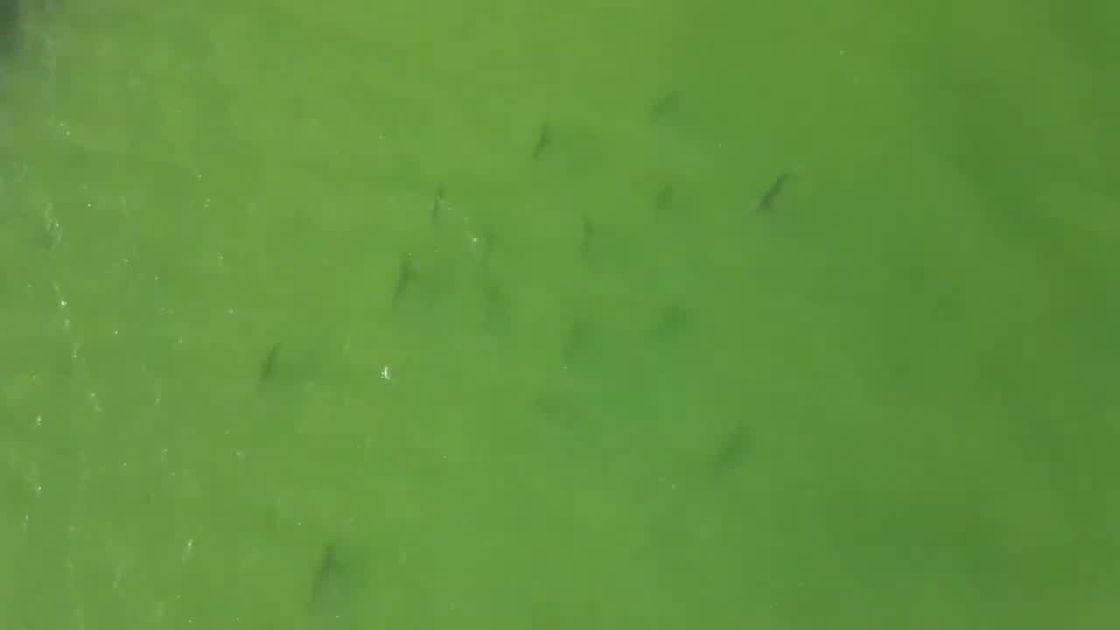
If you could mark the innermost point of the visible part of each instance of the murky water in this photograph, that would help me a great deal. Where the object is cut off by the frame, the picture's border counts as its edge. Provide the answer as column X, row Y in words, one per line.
column 542, row 315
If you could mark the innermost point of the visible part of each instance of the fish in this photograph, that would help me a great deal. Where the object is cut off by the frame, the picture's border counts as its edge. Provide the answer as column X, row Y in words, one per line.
column 578, row 344
column 588, row 237
column 326, row 573
column 437, row 205
column 496, row 316
column 543, row 141
column 767, row 199
column 268, row 366
column 9, row 26
column 667, row 105
column 733, row 449
column 406, row 274
column 486, row 242
column 665, row 196
column 671, row 321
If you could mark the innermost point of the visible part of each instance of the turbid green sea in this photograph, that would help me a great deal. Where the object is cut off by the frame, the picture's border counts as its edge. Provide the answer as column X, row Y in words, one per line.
column 527, row 314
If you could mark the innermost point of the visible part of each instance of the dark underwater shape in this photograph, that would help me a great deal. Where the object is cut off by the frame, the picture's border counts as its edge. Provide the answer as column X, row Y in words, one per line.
column 496, row 318
column 268, row 366
column 588, row 240
column 667, row 105
column 9, row 26
column 437, row 205
column 543, row 141
column 486, row 242
column 579, row 344
column 324, row 584
column 406, row 275
column 665, row 197
column 767, row 200
column 733, row 450
column 672, row 321
column 340, row 579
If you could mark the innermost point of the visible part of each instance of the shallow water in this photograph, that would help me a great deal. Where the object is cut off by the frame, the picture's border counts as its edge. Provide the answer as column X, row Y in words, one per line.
column 631, row 315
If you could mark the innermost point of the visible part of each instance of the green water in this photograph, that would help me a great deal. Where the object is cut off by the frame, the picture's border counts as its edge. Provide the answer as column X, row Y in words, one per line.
column 466, row 315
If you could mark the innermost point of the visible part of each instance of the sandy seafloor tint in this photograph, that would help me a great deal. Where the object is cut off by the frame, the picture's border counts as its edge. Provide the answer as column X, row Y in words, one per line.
column 417, row 314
